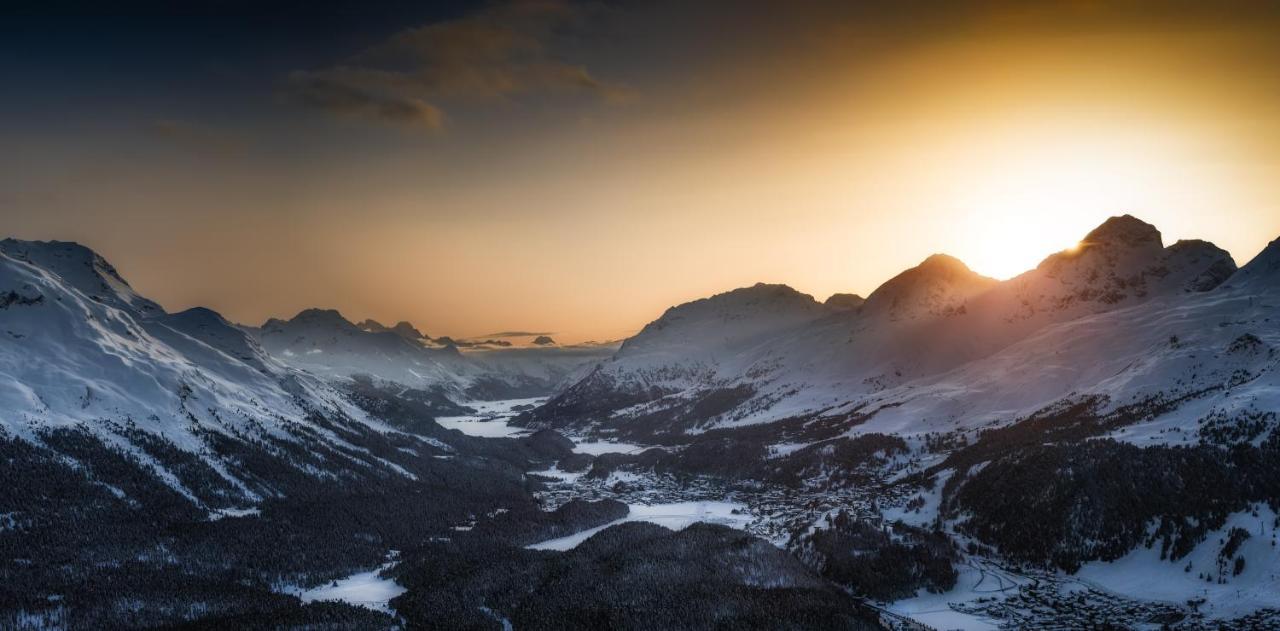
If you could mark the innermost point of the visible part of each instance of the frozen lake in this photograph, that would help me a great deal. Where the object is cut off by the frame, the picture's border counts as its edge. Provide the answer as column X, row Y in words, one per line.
column 676, row 516
column 490, row 421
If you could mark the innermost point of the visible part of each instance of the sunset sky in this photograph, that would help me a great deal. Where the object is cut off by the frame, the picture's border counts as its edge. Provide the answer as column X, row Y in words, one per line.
column 579, row 167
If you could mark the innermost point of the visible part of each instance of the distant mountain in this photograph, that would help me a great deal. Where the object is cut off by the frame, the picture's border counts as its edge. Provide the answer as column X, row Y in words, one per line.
column 402, row 328
column 324, row 343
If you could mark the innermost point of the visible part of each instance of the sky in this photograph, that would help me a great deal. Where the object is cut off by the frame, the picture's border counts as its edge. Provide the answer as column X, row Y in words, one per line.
column 577, row 168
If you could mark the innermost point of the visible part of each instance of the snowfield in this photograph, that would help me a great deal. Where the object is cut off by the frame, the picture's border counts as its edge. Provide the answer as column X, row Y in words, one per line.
column 365, row 589
column 677, row 516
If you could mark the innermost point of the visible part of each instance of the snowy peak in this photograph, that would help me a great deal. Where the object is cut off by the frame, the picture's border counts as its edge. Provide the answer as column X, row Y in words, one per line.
column 938, row 287
column 83, row 269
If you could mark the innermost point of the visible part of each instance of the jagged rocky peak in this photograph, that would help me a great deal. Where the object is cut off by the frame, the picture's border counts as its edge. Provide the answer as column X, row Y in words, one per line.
column 939, row 286
column 845, row 302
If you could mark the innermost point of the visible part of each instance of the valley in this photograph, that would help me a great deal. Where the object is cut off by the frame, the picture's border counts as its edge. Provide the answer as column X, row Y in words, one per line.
column 1093, row 441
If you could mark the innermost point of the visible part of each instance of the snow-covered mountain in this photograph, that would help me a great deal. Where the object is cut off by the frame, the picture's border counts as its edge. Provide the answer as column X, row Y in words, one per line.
column 1107, row 422
column 324, row 343
column 769, row 353
column 80, row 346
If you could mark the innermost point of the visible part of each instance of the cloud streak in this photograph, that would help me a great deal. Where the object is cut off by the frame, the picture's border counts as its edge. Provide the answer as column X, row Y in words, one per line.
column 498, row 53
column 337, row 92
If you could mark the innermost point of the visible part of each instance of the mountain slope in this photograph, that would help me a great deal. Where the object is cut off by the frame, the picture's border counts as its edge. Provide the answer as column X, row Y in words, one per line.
column 691, row 369
column 161, row 468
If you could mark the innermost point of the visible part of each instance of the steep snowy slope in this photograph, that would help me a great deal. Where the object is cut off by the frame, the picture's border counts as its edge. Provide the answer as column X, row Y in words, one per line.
column 80, row 346
column 84, row 359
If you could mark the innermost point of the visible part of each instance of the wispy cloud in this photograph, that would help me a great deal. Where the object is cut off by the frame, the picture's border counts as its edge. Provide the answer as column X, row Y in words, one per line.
column 518, row 334
column 497, row 53
column 351, row 94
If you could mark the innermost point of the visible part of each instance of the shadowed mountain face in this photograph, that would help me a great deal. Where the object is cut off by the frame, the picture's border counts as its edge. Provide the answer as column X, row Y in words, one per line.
column 783, row 355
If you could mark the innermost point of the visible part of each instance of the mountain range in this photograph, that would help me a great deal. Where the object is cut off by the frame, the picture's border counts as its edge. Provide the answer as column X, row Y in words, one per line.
column 940, row 348
column 1106, row 417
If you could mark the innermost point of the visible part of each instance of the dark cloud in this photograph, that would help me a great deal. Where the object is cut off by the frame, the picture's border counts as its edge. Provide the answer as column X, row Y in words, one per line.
column 496, row 53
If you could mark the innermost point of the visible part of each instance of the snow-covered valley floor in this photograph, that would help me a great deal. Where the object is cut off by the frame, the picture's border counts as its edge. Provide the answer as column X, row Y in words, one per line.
column 987, row 595
column 364, row 589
